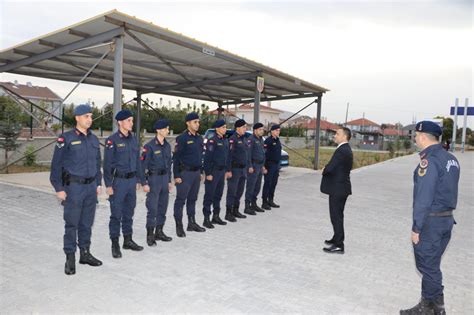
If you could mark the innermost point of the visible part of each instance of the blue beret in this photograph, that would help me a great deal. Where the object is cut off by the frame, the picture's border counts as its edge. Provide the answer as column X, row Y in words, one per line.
column 430, row 127
column 82, row 110
column 123, row 114
column 257, row 125
column 161, row 124
column 218, row 123
column 192, row 116
column 240, row 123
column 275, row 127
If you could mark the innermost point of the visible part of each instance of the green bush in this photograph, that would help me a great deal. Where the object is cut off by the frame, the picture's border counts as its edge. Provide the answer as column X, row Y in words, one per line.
column 30, row 156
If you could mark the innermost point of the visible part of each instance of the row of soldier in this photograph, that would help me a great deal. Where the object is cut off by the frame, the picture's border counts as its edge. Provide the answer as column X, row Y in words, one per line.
column 76, row 177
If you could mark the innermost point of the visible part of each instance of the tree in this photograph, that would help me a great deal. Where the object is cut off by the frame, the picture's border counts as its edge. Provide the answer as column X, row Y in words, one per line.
column 9, row 133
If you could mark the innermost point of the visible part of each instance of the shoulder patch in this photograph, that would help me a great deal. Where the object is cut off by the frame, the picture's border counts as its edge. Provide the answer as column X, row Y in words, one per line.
column 424, row 163
column 422, row 172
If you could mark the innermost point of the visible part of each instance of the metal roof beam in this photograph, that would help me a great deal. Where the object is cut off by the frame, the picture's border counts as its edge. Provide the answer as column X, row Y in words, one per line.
column 278, row 98
column 96, row 39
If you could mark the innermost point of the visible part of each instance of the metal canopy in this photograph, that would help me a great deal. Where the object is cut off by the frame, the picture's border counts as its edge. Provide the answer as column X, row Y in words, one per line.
column 154, row 60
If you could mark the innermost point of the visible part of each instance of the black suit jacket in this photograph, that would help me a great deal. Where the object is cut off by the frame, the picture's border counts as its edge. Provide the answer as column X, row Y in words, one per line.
column 336, row 175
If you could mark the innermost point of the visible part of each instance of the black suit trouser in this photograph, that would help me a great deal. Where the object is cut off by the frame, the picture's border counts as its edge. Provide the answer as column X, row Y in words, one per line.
column 336, row 212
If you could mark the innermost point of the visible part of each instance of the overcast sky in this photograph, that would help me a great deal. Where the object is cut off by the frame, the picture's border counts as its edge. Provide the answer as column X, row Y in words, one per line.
column 391, row 60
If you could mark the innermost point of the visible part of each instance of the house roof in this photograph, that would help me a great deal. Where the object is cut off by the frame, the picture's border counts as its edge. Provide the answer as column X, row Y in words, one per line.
column 31, row 91
column 325, row 125
column 155, row 60
column 362, row 122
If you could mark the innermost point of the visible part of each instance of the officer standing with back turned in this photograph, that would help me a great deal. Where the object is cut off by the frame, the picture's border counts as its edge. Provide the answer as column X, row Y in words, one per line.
column 122, row 179
column 76, row 178
column 435, row 195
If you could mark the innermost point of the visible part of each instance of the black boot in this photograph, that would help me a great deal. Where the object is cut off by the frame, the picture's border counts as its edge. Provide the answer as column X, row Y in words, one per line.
column 150, row 237
column 70, row 265
column 248, row 209
column 424, row 307
column 160, row 235
column 128, row 243
column 87, row 258
column 217, row 220
column 193, row 226
column 272, row 204
column 116, row 253
column 265, row 204
column 179, row 228
column 255, row 207
column 207, row 222
column 229, row 216
column 237, row 214
column 438, row 305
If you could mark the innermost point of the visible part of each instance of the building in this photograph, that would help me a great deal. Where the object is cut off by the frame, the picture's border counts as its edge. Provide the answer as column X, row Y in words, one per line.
column 268, row 115
column 327, row 130
column 38, row 95
column 366, row 133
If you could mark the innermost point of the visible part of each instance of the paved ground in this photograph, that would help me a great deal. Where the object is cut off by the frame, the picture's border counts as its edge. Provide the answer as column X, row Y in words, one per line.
column 271, row 263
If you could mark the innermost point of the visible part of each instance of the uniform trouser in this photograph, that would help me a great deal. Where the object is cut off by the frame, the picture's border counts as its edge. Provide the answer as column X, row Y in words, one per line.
column 157, row 200
column 336, row 213
column 187, row 192
column 122, row 206
column 254, row 182
column 270, row 180
column 79, row 212
column 213, row 192
column 434, row 238
column 235, row 187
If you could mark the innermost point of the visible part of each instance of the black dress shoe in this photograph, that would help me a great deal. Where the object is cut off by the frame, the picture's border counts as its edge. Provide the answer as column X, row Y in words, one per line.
column 333, row 249
column 329, row 242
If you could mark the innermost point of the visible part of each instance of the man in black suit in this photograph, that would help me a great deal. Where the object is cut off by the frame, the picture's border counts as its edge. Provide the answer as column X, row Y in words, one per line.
column 336, row 183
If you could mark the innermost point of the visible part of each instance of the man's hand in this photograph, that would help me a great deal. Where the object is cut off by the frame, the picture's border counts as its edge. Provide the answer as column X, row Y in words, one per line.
column 178, row 180
column 228, row 175
column 264, row 170
column 209, row 178
column 99, row 190
column 415, row 237
column 61, row 195
column 109, row 191
column 251, row 170
column 170, row 187
column 146, row 188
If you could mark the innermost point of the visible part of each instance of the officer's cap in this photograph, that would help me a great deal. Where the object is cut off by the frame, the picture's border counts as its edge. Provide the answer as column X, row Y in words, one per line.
column 257, row 125
column 218, row 123
column 161, row 124
column 430, row 127
column 123, row 114
column 275, row 127
column 192, row 116
column 82, row 110
column 240, row 123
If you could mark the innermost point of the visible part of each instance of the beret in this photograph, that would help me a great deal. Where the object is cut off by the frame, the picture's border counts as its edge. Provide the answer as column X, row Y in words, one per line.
column 240, row 123
column 218, row 123
column 161, row 124
column 275, row 127
column 257, row 125
column 123, row 114
column 82, row 110
column 192, row 116
column 430, row 127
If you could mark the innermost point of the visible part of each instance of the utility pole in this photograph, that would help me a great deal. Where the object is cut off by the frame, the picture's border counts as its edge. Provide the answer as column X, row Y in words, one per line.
column 347, row 112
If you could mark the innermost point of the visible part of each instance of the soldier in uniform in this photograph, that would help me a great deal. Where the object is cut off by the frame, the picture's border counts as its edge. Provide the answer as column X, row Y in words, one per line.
column 256, row 169
column 215, row 165
column 435, row 195
column 187, row 168
column 122, row 179
column 237, row 163
column 272, row 147
column 156, row 181
column 76, row 178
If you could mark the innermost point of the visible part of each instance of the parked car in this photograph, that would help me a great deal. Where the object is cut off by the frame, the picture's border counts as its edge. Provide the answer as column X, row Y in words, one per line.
column 285, row 161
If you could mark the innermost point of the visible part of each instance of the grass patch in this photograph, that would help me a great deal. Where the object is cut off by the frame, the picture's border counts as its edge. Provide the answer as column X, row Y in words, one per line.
column 26, row 169
column 305, row 157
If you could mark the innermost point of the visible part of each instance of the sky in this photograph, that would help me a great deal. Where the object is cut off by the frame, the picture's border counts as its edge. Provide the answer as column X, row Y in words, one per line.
column 392, row 61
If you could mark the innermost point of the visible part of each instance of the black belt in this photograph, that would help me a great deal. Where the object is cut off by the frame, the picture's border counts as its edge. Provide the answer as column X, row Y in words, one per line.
column 125, row 175
column 219, row 168
column 258, row 162
column 191, row 168
column 237, row 165
column 446, row 213
column 272, row 162
column 157, row 172
column 79, row 180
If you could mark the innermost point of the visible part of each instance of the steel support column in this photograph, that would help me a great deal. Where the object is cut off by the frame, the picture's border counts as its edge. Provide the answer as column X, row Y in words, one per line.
column 256, row 103
column 138, row 123
column 316, row 136
column 118, row 76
